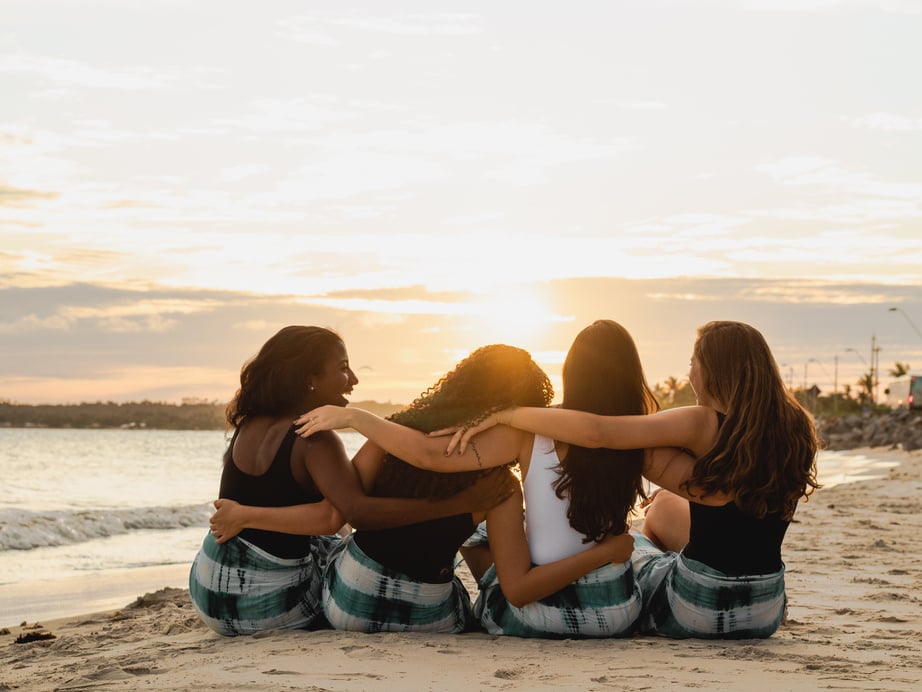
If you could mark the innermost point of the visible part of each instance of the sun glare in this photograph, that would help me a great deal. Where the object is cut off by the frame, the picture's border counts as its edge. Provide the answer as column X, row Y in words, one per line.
column 513, row 315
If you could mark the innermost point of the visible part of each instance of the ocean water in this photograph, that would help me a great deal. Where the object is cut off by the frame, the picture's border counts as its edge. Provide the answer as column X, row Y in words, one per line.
column 88, row 503
column 76, row 501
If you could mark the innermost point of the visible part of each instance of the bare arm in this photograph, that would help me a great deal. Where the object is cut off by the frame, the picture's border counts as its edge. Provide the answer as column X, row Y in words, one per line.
column 670, row 468
column 522, row 583
column 495, row 448
column 690, row 427
column 316, row 518
column 339, row 482
column 313, row 519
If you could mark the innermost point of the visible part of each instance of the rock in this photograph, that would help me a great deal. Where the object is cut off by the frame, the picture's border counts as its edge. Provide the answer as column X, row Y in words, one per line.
column 900, row 427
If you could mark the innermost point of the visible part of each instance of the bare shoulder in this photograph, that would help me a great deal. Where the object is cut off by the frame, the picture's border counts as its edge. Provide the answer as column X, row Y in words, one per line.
column 690, row 416
column 324, row 444
column 691, row 427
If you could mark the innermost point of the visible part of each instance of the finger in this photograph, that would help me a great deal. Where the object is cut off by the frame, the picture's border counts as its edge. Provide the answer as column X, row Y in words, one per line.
column 442, row 432
column 304, row 417
column 217, row 503
column 453, row 442
column 466, row 436
column 307, row 428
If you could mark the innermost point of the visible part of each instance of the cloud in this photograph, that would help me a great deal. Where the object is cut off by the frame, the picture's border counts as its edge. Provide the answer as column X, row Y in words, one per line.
column 134, row 313
column 864, row 197
column 889, row 121
column 75, row 73
column 18, row 197
column 243, row 171
column 426, row 24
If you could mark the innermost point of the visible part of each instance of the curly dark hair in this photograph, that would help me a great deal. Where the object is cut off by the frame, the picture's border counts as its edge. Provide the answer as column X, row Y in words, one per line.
column 765, row 453
column 274, row 382
column 602, row 374
column 490, row 379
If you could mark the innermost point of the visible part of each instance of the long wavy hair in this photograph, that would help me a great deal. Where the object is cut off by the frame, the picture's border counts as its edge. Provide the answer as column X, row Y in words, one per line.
column 490, row 379
column 602, row 374
column 275, row 381
column 765, row 453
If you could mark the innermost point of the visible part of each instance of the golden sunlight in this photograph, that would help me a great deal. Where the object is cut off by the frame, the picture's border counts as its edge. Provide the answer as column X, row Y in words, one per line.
column 517, row 315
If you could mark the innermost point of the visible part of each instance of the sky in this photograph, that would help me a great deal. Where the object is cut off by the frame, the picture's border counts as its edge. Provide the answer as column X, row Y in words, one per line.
column 180, row 180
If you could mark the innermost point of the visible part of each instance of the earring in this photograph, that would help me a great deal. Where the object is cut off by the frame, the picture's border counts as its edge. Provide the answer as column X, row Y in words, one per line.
column 311, row 388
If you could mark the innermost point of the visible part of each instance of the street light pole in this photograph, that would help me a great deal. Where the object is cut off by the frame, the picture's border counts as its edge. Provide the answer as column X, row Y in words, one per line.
column 875, row 367
column 857, row 353
column 911, row 323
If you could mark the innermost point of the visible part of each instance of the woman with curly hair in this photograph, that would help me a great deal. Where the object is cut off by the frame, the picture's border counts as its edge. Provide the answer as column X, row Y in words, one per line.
column 567, row 572
column 271, row 579
column 709, row 560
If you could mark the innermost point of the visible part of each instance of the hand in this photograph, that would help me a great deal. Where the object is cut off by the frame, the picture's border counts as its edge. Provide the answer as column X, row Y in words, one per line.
column 618, row 547
column 228, row 520
column 489, row 490
column 645, row 504
column 461, row 436
column 327, row 417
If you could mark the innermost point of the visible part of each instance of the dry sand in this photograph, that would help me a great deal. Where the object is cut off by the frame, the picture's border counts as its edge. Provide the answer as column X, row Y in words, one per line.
column 854, row 583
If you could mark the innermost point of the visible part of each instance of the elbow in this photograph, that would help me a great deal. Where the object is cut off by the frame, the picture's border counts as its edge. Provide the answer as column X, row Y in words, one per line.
column 516, row 597
column 362, row 521
column 357, row 515
column 595, row 437
column 334, row 523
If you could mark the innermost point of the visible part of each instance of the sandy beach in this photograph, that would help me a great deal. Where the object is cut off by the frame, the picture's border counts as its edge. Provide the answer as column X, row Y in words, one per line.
column 854, row 576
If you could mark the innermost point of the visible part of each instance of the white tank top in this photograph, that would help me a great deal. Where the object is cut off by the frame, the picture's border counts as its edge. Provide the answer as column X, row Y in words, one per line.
column 550, row 536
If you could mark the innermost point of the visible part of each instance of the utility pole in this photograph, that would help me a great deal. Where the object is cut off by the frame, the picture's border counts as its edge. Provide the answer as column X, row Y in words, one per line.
column 875, row 367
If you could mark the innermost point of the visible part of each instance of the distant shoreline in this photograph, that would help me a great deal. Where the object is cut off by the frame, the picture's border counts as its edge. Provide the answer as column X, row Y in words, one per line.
column 143, row 415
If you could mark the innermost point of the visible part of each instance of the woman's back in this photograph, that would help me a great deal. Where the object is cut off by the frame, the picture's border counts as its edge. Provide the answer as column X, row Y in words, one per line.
column 267, row 482
column 425, row 550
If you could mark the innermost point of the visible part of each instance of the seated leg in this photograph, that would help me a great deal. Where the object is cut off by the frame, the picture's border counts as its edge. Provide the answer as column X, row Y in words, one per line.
column 478, row 559
column 667, row 521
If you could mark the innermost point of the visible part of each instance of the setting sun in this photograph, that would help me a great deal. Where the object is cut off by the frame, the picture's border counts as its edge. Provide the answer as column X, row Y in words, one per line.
column 517, row 315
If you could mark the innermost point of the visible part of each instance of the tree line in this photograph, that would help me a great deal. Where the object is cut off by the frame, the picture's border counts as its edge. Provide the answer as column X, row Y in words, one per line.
column 191, row 414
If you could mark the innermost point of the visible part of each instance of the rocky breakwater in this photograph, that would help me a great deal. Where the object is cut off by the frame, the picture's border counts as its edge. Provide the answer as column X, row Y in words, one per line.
column 899, row 428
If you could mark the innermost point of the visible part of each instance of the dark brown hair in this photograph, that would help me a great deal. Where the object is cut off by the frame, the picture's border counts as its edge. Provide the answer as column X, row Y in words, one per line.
column 275, row 381
column 765, row 453
column 602, row 374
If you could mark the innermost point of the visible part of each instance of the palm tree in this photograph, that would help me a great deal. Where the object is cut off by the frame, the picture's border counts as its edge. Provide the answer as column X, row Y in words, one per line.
column 671, row 385
column 866, row 393
column 898, row 369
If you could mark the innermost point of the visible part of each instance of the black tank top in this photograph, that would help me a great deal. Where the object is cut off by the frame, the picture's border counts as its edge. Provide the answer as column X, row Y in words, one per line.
column 734, row 542
column 425, row 551
column 277, row 487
